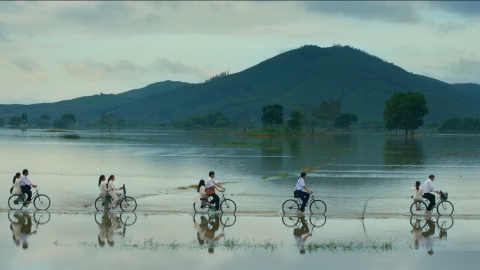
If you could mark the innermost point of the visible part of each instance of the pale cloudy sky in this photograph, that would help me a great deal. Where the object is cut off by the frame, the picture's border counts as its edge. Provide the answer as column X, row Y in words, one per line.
column 51, row 51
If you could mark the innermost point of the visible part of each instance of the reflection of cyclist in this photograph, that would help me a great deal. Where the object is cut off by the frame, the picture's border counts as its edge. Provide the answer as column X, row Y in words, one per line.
column 427, row 189
column 15, row 227
column 111, row 227
column 417, row 233
column 299, row 232
column 210, row 234
column 428, row 236
column 304, row 196
column 201, row 229
column 102, row 235
column 26, row 229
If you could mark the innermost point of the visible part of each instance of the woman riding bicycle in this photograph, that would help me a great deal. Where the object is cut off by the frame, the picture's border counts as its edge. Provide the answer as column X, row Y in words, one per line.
column 111, row 191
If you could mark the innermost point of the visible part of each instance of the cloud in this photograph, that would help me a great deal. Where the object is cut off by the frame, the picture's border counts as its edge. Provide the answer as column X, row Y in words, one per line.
column 164, row 64
column 27, row 64
column 91, row 13
column 465, row 69
column 404, row 12
column 122, row 69
column 464, row 8
column 9, row 7
column 445, row 28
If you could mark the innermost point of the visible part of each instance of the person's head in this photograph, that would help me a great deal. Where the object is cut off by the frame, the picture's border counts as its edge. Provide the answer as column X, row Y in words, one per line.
column 111, row 242
column 25, row 245
column 432, row 177
column 302, row 251
column 417, row 184
column 100, row 179
column 211, row 174
column 201, row 183
column 101, row 242
column 25, row 172
column 303, row 175
column 211, row 250
column 111, row 177
column 430, row 252
column 17, row 175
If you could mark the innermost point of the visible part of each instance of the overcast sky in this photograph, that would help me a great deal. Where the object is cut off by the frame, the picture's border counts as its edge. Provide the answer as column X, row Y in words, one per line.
column 51, row 51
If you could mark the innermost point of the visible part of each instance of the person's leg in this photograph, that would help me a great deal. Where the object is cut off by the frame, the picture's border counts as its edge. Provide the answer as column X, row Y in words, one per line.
column 215, row 201
column 115, row 200
column 431, row 198
column 26, row 190
column 304, row 198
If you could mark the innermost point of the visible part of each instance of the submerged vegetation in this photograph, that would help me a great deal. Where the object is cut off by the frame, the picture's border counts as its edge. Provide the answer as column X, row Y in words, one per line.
column 366, row 245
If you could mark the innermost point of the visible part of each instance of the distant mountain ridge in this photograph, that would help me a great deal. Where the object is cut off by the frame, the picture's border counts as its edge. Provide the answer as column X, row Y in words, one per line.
column 309, row 74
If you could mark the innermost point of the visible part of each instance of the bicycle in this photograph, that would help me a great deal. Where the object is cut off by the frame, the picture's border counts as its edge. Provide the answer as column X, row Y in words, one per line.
column 315, row 221
column 443, row 205
column 442, row 222
column 291, row 206
column 225, row 220
column 226, row 205
column 18, row 201
column 126, row 203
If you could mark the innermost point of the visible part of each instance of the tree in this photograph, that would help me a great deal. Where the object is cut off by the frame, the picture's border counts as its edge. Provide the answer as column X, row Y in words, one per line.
column 328, row 112
column 244, row 119
column 405, row 110
column 66, row 121
column 451, row 124
column 432, row 125
column 346, row 120
column 295, row 121
column 2, row 121
column 309, row 118
column 23, row 119
column 272, row 115
column 14, row 121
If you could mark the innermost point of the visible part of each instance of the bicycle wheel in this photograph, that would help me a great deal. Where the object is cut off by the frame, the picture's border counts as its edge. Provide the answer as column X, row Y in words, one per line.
column 128, row 204
column 228, row 220
column 41, row 217
column 290, row 206
column 41, row 202
column 444, row 222
column 13, row 215
column 289, row 221
column 15, row 202
column 318, row 221
column 418, row 208
column 445, row 208
column 228, row 206
column 417, row 222
column 198, row 207
column 318, row 207
column 128, row 219
column 102, row 204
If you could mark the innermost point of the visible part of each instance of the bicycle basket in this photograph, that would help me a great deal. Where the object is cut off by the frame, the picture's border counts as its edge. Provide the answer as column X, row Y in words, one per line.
column 443, row 196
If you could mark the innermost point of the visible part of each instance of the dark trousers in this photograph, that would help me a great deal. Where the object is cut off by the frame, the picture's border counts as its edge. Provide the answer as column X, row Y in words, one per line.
column 27, row 190
column 431, row 198
column 304, row 196
column 215, row 200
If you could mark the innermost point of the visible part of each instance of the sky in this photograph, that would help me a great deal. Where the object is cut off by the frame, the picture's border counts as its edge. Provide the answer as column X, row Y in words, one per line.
column 52, row 51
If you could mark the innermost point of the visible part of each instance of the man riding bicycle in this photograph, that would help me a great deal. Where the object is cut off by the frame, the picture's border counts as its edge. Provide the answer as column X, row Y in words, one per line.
column 26, row 186
column 427, row 189
column 304, row 196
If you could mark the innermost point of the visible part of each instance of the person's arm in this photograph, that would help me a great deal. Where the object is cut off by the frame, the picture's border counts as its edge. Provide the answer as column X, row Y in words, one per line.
column 218, row 187
column 309, row 191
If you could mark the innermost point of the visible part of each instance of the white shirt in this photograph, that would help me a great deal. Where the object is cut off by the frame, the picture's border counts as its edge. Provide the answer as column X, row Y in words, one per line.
column 103, row 188
column 417, row 194
column 300, row 184
column 210, row 183
column 300, row 243
column 24, row 181
column 428, row 186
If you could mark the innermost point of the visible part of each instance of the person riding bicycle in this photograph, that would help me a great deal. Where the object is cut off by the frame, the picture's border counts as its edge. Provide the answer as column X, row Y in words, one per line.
column 427, row 192
column 111, row 191
column 304, row 196
column 210, row 187
column 201, row 195
column 102, row 185
column 26, row 186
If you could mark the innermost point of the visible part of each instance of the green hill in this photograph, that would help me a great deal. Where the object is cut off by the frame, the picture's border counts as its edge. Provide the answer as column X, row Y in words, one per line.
column 88, row 108
column 310, row 74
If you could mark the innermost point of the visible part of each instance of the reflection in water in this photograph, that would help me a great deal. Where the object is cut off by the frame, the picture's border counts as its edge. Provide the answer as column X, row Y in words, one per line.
column 110, row 224
column 303, row 228
column 207, row 227
column 21, row 225
column 403, row 151
column 424, row 228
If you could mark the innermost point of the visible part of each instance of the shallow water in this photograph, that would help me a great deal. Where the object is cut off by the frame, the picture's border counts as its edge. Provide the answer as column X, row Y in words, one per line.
column 260, row 172
column 131, row 241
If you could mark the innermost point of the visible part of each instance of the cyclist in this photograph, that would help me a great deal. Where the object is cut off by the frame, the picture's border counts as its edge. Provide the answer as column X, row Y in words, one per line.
column 427, row 192
column 102, row 186
column 26, row 186
column 304, row 196
column 111, row 191
column 201, row 195
column 210, row 187
column 16, row 184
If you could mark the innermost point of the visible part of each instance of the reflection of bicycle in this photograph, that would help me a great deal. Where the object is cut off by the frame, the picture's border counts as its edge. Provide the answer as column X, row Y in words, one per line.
column 40, row 201
column 226, row 205
column 126, row 219
column 444, row 207
column 291, row 206
column 126, row 203
column 442, row 222
column 39, row 218
column 315, row 221
column 225, row 220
